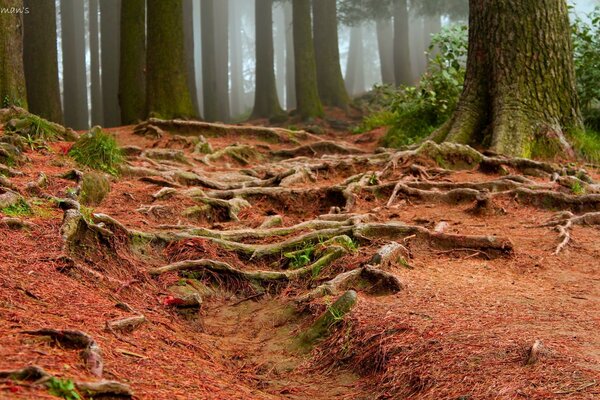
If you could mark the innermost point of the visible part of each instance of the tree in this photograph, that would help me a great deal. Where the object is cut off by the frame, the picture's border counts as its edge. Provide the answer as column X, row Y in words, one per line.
column 290, row 68
column 73, row 54
column 132, row 61
column 188, row 42
column 40, row 59
column 402, row 69
column 110, row 11
column 355, row 72
column 209, row 67
column 266, row 101
column 386, row 50
column 519, row 89
column 307, row 94
column 221, row 18
column 96, row 84
column 166, row 81
column 327, row 55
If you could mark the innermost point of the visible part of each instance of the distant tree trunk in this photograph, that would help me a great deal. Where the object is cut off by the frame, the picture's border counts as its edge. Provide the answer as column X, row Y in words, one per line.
column 167, row 91
column 418, row 47
column 307, row 94
column 221, row 18
column 385, row 45
column 431, row 25
column 110, row 11
column 329, row 72
column 188, row 43
column 355, row 74
column 402, row 70
column 235, row 55
column 96, row 84
column 290, row 69
column 266, row 102
column 40, row 59
column 73, row 54
column 209, row 67
column 132, row 65
column 519, row 89
column 279, row 51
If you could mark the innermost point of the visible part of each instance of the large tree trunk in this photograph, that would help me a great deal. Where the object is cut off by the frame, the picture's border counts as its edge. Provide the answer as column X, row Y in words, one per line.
column 290, row 69
column 520, row 85
column 96, row 84
column 110, row 11
column 12, row 75
column 73, row 54
column 221, row 59
column 40, row 58
column 266, row 102
column 188, row 43
column 209, row 67
column 329, row 72
column 385, row 44
column 167, row 90
column 307, row 95
column 132, row 66
column 279, row 51
column 402, row 70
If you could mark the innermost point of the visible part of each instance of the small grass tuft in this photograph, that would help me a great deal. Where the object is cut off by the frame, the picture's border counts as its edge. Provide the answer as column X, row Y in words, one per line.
column 587, row 145
column 19, row 209
column 98, row 150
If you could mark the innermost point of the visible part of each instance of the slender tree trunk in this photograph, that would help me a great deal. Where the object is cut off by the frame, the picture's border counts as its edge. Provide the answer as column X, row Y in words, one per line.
column 167, row 91
column 40, row 59
column 519, row 90
column 402, row 70
column 290, row 69
column 209, row 67
column 385, row 45
column 222, row 58
column 418, row 47
column 329, row 72
column 355, row 74
column 188, row 43
column 110, row 11
column 266, row 102
column 96, row 84
column 307, row 94
column 236, row 10
column 132, row 65
column 279, row 51
column 73, row 54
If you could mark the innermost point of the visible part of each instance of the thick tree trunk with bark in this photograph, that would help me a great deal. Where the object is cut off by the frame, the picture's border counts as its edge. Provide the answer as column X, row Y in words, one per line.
column 12, row 76
column 73, row 54
column 266, row 102
column 519, row 91
column 329, row 72
column 110, row 11
column 132, row 66
column 385, row 45
column 307, row 94
column 402, row 70
column 40, row 59
column 167, row 89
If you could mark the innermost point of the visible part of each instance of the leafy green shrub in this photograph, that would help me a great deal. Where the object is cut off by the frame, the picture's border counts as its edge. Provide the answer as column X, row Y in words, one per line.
column 98, row 150
column 413, row 112
column 64, row 388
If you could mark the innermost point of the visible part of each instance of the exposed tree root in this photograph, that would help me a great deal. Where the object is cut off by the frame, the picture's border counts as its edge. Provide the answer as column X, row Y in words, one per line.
column 91, row 353
column 126, row 324
column 317, row 149
column 564, row 221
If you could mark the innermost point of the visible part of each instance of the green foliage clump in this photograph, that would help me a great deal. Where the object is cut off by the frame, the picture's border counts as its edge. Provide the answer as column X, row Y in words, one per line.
column 300, row 258
column 34, row 128
column 413, row 112
column 98, row 150
column 586, row 46
column 19, row 209
column 63, row 388
column 587, row 144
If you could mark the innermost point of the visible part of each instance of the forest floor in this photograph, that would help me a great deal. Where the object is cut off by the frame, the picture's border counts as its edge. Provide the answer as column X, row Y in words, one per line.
column 479, row 286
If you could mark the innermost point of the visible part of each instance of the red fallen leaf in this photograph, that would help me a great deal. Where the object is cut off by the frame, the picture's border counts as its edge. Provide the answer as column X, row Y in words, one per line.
column 14, row 389
column 173, row 301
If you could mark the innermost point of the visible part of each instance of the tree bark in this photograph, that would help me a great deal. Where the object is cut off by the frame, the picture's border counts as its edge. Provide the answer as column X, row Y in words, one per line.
column 41, row 60
column 329, row 72
column 307, row 94
column 12, row 75
column 266, row 102
column 290, row 69
column 73, row 53
column 402, row 70
column 167, row 90
column 221, row 59
column 209, row 68
column 385, row 45
column 96, row 84
column 279, row 37
column 519, row 90
column 132, row 61
column 188, row 43
column 236, row 10
column 110, row 11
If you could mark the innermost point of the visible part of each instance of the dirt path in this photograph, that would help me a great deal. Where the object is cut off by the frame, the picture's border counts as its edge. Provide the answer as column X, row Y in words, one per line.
column 233, row 256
